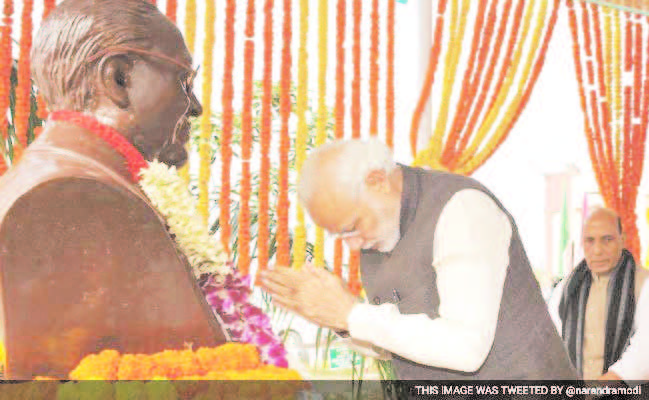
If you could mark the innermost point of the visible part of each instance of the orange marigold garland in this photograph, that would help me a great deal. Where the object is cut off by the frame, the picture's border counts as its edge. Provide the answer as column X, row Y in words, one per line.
column 24, row 88
column 471, row 157
column 5, row 77
column 603, row 116
column 480, row 82
column 243, row 246
column 226, row 135
column 265, row 138
column 430, row 76
column 538, row 65
column 470, row 79
column 172, row 5
column 228, row 361
column 618, row 161
column 341, row 17
column 374, row 70
column 283, row 250
column 354, row 256
column 356, row 80
column 389, row 82
column 41, row 111
column 504, row 69
column 572, row 22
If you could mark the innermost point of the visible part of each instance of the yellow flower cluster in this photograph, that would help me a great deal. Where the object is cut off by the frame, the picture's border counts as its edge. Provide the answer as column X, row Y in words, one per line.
column 231, row 361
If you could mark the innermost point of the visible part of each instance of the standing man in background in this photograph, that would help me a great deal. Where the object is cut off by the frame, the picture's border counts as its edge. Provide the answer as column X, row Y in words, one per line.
column 602, row 308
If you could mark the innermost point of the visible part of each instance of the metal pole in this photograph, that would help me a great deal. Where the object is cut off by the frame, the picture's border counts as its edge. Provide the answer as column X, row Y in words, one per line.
column 425, row 39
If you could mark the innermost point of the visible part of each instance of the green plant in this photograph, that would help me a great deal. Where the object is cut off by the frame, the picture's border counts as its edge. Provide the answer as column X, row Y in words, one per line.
column 281, row 318
column 7, row 143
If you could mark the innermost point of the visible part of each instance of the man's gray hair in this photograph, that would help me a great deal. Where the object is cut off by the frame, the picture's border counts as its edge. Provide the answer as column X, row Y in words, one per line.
column 353, row 160
column 74, row 32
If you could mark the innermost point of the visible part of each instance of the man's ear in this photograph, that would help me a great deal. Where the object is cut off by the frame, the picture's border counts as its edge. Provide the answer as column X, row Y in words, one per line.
column 377, row 179
column 115, row 79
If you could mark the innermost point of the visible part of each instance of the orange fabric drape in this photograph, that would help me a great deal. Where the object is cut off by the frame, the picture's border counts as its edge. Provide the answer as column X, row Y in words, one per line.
column 464, row 138
column 615, row 128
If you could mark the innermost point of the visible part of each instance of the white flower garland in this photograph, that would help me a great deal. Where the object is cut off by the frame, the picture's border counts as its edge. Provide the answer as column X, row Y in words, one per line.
column 169, row 194
column 226, row 291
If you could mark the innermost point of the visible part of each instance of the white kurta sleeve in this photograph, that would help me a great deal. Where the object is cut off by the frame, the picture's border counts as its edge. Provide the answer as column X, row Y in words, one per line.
column 553, row 305
column 471, row 256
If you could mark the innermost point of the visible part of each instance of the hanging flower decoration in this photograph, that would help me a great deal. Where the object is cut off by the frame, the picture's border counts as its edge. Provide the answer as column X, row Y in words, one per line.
column 283, row 204
column 243, row 246
column 613, row 80
column 265, row 139
column 227, row 292
column 323, row 30
column 24, row 88
column 339, row 112
column 301, row 137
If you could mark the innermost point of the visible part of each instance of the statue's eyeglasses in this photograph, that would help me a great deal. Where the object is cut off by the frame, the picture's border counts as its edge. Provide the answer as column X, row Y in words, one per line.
column 187, row 81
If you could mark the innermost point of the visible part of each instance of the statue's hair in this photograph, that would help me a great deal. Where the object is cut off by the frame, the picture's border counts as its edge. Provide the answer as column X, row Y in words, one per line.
column 353, row 160
column 62, row 61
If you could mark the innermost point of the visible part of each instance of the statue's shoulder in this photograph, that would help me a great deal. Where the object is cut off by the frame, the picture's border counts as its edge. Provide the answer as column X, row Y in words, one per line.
column 75, row 209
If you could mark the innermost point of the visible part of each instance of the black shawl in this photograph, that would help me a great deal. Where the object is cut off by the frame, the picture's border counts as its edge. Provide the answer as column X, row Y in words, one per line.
column 620, row 306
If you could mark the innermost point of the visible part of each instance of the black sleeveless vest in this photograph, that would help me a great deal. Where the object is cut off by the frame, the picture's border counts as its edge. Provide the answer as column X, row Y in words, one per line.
column 526, row 344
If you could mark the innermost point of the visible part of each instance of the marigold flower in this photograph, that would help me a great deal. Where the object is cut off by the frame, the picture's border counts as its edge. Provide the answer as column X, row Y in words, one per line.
column 102, row 366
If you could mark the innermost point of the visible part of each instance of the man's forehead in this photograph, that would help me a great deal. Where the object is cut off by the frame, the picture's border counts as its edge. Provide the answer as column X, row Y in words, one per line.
column 331, row 213
column 600, row 227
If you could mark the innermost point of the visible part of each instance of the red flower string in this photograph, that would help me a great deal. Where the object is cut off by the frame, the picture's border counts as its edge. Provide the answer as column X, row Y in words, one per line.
column 133, row 158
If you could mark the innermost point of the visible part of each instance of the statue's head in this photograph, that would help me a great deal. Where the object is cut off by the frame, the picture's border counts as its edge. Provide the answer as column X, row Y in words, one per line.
column 123, row 62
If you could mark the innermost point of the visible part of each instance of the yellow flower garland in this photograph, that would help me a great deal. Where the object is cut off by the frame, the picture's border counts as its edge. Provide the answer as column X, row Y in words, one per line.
column 450, row 72
column 299, row 244
column 190, row 34
column 205, row 153
column 321, row 134
column 472, row 160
